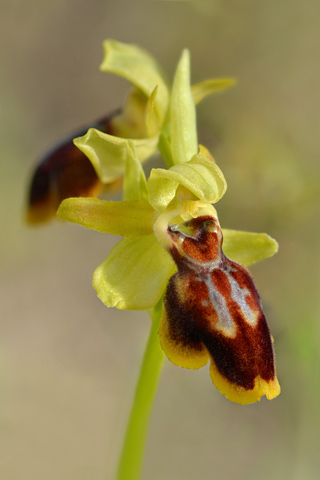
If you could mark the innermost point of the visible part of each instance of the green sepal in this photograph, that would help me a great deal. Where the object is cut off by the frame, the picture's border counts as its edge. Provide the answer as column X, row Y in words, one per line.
column 134, row 275
column 214, row 85
column 138, row 67
column 134, row 218
column 201, row 176
column 108, row 154
column 183, row 128
column 248, row 247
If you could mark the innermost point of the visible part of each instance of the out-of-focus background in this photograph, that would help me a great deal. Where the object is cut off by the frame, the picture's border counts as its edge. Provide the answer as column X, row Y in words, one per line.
column 69, row 364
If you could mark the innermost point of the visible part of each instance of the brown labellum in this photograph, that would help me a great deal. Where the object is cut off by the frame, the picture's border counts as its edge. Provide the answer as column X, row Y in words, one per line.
column 212, row 311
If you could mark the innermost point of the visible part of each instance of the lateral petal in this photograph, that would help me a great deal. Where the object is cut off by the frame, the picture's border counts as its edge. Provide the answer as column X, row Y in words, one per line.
column 200, row 176
column 203, row 89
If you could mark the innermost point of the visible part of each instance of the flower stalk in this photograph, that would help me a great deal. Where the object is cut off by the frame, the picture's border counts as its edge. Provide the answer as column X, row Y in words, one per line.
column 131, row 458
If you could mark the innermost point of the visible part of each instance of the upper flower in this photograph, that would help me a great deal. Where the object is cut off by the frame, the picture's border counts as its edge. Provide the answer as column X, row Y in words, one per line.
column 65, row 169
column 172, row 238
column 153, row 117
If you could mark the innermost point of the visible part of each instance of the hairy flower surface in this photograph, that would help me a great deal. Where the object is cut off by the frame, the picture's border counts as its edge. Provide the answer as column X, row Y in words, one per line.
column 172, row 243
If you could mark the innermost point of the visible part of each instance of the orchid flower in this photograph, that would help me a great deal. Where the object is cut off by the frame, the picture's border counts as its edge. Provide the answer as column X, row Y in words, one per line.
column 174, row 259
column 158, row 218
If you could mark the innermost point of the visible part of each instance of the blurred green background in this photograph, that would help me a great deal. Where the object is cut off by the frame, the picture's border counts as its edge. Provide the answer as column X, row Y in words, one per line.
column 68, row 364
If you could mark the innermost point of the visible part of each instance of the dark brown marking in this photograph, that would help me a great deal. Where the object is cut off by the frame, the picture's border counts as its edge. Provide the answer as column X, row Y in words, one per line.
column 182, row 330
column 192, row 316
column 63, row 172
column 203, row 244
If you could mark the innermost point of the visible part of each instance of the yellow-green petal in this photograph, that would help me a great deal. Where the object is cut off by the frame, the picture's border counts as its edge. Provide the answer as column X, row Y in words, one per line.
column 200, row 176
column 108, row 154
column 134, row 182
column 134, row 218
column 203, row 89
column 130, row 122
column 183, row 127
column 138, row 67
column 134, row 275
column 164, row 147
column 151, row 121
column 248, row 247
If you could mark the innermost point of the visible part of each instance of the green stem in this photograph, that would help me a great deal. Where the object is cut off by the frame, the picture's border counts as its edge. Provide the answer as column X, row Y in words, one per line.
column 134, row 444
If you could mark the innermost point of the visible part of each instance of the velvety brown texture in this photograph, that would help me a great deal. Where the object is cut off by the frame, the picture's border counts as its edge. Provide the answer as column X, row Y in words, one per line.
column 240, row 347
column 63, row 172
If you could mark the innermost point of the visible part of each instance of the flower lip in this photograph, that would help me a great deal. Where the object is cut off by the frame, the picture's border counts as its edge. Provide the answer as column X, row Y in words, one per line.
column 212, row 310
